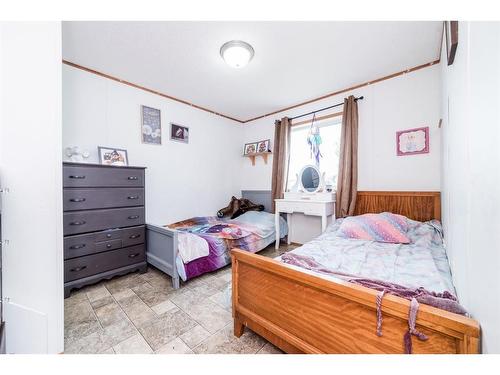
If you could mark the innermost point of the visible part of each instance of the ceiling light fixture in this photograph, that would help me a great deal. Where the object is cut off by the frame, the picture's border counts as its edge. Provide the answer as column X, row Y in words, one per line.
column 237, row 53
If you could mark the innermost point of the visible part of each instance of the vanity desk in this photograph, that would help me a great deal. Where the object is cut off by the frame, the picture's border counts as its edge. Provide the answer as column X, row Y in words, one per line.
column 322, row 208
column 308, row 196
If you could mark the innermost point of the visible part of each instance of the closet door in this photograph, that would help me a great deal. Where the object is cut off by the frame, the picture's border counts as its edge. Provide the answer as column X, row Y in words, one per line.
column 31, row 182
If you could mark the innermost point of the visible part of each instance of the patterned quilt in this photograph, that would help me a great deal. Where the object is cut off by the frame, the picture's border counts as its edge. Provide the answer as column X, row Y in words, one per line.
column 252, row 232
column 422, row 263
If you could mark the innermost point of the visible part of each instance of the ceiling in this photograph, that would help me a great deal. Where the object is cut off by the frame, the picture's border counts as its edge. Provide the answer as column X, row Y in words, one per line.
column 293, row 62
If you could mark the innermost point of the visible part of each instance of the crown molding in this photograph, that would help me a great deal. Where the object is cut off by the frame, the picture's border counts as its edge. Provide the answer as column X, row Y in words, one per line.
column 128, row 83
column 397, row 74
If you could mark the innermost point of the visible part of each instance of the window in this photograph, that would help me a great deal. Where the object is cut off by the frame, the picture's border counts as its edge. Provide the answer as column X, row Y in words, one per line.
column 300, row 153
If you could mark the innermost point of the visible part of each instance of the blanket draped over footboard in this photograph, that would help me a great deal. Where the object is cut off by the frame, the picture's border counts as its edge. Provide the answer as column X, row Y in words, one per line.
column 445, row 300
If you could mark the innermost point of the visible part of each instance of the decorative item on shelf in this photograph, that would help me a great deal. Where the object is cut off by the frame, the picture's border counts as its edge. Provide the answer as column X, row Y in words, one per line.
column 451, row 35
column 75, row 154
column 179, row 133
column 112, row 156
column 250, row 148
column 263, row 146
column 412, row 141
column 151, row 125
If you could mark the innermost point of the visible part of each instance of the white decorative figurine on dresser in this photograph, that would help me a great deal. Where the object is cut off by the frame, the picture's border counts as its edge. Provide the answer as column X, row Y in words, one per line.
column 309, row 197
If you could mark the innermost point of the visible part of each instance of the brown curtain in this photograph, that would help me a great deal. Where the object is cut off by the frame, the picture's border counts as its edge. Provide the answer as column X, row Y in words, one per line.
column 280, row 158
column 347, row 181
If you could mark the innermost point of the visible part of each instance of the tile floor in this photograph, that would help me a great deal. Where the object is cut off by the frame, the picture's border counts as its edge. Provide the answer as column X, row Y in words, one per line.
column 140, row 314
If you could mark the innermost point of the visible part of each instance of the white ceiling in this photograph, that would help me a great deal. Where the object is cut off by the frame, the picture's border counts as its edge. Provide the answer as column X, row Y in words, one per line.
column 293, row 62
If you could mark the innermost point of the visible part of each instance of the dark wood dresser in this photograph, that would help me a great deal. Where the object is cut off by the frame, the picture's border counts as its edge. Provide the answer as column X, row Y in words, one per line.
column 104, row 217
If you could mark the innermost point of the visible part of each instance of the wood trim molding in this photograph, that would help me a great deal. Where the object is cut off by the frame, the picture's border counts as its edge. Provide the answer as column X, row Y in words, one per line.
column 397, row 74
column 69, row 63
column 348, row 89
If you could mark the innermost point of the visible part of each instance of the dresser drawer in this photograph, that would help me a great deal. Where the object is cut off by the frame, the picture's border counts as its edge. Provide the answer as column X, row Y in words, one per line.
column 133, row 236
column 93, row 264
column 86, row 244
column 95, row 176
column 88, row 221
column 86, row 199
column 108, row 245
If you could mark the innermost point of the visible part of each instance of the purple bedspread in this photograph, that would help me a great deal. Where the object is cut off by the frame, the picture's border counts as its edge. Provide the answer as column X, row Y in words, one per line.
column 221, row 237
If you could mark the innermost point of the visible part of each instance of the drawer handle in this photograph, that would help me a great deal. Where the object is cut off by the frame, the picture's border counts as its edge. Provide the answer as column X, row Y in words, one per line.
column 134, row 236
column 133, row 255
column 76, row 247
column 108, row 235
column 133, row 178
column 133, row 217
column 76, row 200
column 133, row 197
column 78, row 222
column 108, row 246
column 78, row 269
column 76, row 177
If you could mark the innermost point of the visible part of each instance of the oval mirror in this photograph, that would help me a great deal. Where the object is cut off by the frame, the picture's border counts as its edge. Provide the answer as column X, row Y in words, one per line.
column 310, row 178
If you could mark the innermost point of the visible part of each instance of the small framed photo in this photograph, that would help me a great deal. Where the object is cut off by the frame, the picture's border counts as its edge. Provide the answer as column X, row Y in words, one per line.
column 250, row 148
column 263, row 146
column 151, row 125
column 112, row 156
column 179, row 133
column 412, row 141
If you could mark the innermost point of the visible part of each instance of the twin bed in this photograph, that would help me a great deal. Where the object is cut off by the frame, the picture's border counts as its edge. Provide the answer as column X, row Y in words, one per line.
column 306, row 300
column 192, row 247
column 302, row 306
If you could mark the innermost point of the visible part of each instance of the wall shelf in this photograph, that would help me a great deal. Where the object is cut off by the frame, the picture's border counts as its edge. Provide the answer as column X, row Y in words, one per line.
column 263, row 154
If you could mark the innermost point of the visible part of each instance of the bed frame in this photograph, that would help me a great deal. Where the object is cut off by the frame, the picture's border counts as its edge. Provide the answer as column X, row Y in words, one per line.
column 161, row 242
column 302, row 313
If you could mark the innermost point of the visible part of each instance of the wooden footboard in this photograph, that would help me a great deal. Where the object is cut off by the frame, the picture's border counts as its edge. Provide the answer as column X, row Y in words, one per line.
column 303, row 313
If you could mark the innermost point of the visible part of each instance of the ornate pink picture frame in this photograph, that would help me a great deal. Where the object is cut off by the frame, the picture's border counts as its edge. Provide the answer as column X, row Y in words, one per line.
column 412, row 141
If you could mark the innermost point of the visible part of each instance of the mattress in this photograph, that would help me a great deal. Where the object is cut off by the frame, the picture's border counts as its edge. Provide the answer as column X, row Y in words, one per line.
column 260, row 227
column 422, row 263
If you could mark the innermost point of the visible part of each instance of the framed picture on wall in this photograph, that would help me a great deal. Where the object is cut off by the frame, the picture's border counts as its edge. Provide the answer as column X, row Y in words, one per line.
column 179, row 133
column 112, row 156
column 263, row 146
column 150, row 125
column 412, row 141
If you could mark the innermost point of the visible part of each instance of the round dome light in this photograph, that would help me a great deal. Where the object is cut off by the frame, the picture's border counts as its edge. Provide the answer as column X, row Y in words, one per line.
column 236, row 53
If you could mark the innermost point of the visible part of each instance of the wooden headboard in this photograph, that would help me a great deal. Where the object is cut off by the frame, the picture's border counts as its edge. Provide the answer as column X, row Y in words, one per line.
column 416, row 205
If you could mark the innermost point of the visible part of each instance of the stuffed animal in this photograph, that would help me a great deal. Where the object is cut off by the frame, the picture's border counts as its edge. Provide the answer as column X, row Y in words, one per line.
column 237, row 207
column 230, row 209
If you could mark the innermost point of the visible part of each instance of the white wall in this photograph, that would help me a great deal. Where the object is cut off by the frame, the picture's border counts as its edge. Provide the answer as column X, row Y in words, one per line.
column 404, row 102
column 471, row 173
column 182, row 180
column 30, row 167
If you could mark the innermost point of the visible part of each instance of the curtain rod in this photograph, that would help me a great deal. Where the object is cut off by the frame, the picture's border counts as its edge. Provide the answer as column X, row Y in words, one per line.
column 325, row 108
